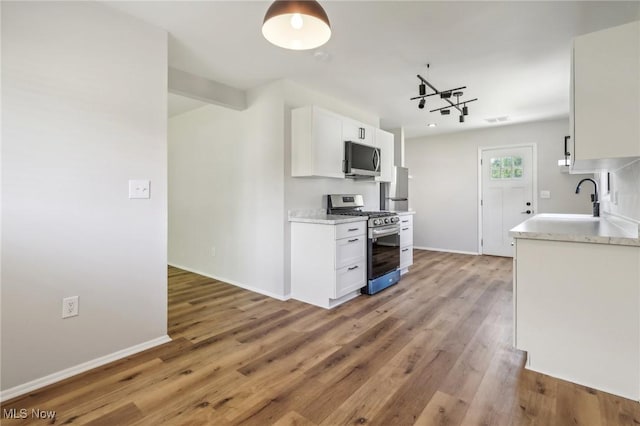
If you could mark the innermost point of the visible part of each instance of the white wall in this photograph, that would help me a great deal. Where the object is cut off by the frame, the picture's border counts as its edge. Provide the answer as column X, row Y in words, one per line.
column 444, row 185
column 626, row 183
column 84, row 91
column 398, row 146
column 226, row 191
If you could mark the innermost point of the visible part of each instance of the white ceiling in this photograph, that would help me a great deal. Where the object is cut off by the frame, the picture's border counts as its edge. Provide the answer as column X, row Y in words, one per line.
column 513, row 56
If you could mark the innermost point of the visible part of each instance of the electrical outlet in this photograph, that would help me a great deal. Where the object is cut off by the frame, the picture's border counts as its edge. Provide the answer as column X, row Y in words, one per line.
column 70, row 307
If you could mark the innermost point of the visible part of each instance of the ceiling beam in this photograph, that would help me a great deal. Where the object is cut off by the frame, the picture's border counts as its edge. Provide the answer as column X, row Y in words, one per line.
column 196, row 87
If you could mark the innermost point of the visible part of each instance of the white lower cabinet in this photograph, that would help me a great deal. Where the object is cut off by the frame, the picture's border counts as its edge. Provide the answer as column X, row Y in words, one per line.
column 350, row 278
column 406, row 242
column 577, row 312
column 328, row 262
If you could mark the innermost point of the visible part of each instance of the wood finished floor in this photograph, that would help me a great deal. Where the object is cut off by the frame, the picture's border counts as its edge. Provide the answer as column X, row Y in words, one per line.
column 433, row 350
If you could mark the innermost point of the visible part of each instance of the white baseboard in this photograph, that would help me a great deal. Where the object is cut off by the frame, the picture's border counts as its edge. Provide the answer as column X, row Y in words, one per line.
column 473, row 253
column 235, row 283
column 80, row 368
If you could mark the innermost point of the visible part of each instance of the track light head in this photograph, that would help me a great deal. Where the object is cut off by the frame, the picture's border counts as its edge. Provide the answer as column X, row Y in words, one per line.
column 445, row 95
column 461, row 118
column 445, row 112
column 465, row 110
column 422, row 89
column 421, row 104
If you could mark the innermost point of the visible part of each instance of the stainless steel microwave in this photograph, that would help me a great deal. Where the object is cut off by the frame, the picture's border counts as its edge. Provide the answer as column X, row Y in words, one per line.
column 361, row 160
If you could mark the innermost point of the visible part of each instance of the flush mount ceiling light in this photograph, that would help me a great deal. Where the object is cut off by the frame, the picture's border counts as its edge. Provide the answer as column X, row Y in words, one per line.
column 446, row 96
column 296, row 25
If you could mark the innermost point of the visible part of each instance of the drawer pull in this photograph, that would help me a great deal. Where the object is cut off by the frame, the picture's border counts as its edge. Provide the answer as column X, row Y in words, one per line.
column 352, row 229
column 405, row 229
column 354, row 240
column 405, row 221
column 403, row 250
column 353, row 267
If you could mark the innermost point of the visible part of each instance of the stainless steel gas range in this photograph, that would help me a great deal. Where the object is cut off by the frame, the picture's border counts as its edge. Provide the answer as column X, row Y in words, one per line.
column 383, row 240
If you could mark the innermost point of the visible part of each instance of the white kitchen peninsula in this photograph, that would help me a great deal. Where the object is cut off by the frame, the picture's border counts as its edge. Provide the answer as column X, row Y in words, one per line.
column 577, row 300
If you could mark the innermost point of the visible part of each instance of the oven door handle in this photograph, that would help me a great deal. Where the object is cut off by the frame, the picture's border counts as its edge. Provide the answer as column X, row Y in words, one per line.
column 383, row 232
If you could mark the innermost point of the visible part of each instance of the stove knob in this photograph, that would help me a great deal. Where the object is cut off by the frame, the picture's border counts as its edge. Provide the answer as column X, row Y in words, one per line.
column 386, row 220
column 395, row 219
column 376, row 221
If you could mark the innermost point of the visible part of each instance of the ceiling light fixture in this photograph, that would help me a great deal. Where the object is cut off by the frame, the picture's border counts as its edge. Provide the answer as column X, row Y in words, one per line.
column 296, row 24
column 431, row 125
column 445, row 95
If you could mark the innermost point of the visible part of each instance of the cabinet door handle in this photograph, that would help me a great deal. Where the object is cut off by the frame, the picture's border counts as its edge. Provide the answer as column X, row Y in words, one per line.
column 352, row 229
column 405, row 250
column 405, row 221
column 353, row 267
column 354, row 240
column 405, row 229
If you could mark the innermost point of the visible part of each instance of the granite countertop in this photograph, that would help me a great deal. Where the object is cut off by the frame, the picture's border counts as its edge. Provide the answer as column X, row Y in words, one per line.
column 580, row 228
column 321, row 217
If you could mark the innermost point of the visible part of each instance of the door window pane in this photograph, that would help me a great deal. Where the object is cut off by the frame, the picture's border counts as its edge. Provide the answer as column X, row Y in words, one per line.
column 507, row 168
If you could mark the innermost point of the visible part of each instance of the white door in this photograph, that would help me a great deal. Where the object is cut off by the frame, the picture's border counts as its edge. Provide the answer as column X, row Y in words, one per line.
column 507, row 196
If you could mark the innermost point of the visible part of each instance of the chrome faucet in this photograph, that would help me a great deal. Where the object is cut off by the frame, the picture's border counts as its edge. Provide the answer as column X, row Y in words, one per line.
column 594, row 196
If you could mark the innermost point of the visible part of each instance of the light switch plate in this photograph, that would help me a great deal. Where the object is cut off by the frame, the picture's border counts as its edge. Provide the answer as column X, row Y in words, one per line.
column 139, row 188
column 545, row 194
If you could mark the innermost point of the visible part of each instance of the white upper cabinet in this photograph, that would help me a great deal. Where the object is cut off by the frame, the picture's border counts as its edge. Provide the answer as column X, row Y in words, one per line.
column 606, row 98
column 317, row 143
column 384, row 141
column 317, row 148
column 355, row 131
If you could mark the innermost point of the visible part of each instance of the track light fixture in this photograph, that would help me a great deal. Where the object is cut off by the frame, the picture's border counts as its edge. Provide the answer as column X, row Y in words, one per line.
column 445, row 95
